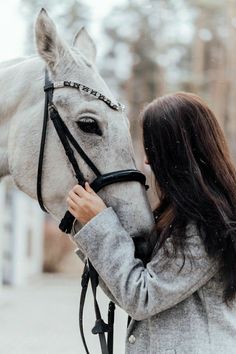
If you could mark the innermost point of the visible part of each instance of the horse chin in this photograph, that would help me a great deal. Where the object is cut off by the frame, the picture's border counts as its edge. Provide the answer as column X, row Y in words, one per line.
column 129, row 201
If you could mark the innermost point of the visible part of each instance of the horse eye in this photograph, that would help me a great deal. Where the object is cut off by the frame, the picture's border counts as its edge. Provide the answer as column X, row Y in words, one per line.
column 89, row 125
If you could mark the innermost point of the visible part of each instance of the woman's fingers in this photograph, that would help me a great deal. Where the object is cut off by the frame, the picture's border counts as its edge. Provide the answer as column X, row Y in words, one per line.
column 84, row 204
column 80, row 191
column 74, row 196
column 89, row 189
column 74, row 208
column 72, row 211
column 71, row 202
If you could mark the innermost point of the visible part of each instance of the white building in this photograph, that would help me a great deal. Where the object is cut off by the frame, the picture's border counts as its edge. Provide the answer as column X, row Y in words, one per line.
column 21, row 235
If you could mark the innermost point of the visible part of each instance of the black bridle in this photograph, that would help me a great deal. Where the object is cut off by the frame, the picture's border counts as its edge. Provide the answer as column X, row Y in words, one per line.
column 101, row 180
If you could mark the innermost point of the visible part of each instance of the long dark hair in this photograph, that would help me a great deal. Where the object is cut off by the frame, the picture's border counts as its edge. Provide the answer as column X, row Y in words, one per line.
column 196, row 178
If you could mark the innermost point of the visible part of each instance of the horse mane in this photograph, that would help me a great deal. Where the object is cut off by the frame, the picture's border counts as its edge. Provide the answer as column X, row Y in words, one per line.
column 11, row 62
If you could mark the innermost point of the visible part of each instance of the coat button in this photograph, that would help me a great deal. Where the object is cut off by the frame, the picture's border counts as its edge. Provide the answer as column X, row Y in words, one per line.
column 132, row 339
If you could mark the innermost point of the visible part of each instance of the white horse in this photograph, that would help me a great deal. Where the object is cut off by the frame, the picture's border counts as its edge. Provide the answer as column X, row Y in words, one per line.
column 21, row 114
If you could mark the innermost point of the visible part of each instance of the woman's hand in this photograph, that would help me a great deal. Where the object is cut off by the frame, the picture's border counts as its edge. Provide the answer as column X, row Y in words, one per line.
column 84, row 203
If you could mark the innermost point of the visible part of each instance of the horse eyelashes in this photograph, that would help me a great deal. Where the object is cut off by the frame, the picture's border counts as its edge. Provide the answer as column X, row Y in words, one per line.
column 89, row 126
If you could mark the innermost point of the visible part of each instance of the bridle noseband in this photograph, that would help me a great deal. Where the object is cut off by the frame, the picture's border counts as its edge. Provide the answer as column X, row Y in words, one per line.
column 102, row 180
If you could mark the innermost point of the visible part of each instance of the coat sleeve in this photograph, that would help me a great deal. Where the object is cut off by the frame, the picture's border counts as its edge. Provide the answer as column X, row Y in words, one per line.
column 101, row 283
column 143, row 291
column 83, row 258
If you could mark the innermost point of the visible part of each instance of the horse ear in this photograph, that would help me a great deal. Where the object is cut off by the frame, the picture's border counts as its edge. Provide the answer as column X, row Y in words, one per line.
column 85, row 44
column 49, row 44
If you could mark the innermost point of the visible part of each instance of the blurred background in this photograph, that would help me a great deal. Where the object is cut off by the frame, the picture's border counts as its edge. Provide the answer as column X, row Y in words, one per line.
column 146, row 48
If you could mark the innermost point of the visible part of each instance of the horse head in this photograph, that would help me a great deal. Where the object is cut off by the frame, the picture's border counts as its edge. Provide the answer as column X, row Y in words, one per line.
column 102, row 132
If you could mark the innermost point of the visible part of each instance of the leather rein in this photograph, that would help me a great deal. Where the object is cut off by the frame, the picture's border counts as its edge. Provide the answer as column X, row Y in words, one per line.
column 70, row 144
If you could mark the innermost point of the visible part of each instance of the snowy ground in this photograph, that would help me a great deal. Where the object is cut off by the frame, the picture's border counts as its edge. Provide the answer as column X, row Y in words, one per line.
column 42, row 318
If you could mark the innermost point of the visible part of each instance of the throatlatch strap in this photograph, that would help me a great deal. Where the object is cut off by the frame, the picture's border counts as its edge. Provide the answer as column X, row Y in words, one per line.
column 41, row 154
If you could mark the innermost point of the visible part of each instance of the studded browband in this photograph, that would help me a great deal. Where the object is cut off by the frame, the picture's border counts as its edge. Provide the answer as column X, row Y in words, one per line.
column 85, row 90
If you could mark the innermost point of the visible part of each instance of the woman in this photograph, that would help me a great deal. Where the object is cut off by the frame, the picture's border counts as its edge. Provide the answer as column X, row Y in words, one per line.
column 183, row 299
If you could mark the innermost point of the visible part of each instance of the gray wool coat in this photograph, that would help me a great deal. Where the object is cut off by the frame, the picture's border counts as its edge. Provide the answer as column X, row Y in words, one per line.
column 173, row 311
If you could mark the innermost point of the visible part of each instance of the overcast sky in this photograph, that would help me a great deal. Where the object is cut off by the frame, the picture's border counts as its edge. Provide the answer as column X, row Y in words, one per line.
column 12, row 26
